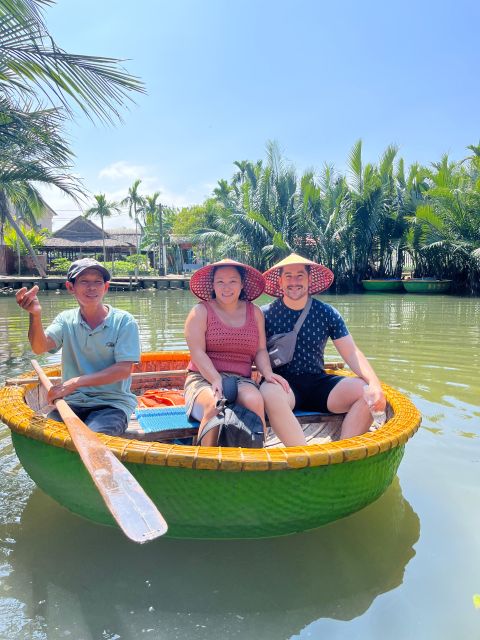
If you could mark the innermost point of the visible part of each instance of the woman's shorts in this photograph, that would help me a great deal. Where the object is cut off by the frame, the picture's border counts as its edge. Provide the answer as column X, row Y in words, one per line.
column 195, row 383
column 311, row 390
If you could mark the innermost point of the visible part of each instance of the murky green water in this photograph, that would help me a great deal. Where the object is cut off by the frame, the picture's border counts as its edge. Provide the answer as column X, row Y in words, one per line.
column 407, row 566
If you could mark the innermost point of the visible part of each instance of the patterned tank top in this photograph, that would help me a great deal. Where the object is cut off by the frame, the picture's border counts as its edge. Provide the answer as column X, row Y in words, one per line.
column 231, row 349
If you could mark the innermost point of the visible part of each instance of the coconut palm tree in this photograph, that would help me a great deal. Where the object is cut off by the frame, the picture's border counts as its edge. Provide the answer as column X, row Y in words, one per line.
column 102, row 209
column 449, row 223
column 136, row 211
column 254, row 213
column 32, row 152
column 154, row 226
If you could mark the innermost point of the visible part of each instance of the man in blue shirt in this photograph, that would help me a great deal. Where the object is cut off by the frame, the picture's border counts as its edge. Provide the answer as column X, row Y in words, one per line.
column 99, row 346
column 292, row 281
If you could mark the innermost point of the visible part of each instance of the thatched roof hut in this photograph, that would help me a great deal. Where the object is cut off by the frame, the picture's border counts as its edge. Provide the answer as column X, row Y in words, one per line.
column 81, row 237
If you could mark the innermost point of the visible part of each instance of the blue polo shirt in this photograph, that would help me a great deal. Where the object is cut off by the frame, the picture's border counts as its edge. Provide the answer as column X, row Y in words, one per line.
column 86, row 350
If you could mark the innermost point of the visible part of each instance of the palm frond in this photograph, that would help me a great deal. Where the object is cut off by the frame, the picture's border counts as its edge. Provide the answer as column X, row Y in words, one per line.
column 30, row 59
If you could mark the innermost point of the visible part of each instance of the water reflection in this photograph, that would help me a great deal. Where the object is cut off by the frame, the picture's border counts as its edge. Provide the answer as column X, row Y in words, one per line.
column 63, row 577
column 178, row 589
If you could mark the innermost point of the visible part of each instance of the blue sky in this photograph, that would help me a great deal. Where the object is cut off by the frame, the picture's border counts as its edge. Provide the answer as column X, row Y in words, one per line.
column 225, row 77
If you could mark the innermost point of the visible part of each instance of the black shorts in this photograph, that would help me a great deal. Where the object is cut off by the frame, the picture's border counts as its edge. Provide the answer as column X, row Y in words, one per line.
column 311, row 390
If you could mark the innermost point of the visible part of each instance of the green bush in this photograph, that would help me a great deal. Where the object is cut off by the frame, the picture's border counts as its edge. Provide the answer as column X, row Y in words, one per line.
column 127, row 267
column 118, row 268
column 59, row 265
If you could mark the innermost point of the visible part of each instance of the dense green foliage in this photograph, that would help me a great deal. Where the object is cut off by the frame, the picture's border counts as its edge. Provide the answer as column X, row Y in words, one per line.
column 13, row 240
column 60, row 265
column 377, row 221
column 126, row 268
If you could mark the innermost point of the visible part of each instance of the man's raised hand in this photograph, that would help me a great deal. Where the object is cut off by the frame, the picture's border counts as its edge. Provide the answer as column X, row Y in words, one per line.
column 27, row 300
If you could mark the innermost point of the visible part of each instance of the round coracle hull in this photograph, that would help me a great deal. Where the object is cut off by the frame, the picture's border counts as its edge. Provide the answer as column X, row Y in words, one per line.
column 382, row 285
column 426, row 285
column 210, row 492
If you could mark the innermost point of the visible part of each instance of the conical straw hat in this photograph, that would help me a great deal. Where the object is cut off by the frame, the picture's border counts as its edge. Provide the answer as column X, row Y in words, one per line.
column 201, row 283
column 320, row 277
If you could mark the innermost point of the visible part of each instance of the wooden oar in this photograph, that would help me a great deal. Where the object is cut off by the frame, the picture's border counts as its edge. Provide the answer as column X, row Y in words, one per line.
column 128, row 503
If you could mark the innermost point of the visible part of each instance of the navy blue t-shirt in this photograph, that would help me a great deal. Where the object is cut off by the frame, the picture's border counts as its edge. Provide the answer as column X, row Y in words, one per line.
column 321, row 323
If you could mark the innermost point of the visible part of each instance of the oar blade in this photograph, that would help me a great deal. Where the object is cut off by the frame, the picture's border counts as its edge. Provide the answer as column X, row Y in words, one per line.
column 134, row 511
column 131, row 507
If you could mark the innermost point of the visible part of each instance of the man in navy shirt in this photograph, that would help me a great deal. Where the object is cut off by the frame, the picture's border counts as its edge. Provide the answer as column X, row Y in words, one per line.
column 292, row 281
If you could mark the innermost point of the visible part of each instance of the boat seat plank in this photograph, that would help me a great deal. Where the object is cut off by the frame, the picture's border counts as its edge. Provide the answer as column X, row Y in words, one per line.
column 171, row 423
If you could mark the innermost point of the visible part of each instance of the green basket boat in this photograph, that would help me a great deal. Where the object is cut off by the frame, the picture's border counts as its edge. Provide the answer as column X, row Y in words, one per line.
column 383, row 285
column 426, row 285
column 214, row 492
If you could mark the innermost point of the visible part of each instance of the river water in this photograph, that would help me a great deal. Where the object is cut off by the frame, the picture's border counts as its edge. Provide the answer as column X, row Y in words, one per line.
column 406, row 566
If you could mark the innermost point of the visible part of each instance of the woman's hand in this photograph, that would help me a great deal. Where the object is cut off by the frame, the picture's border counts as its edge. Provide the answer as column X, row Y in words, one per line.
column 275, row 378
column 217, row 388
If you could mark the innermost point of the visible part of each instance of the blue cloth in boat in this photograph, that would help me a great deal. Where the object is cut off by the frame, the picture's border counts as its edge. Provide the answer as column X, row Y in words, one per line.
column 166, row 418
column 86, row 350
column 321, row 323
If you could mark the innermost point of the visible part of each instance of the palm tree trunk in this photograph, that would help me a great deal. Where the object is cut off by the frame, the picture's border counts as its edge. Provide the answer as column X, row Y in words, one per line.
column 4, row 205
column 103, row 241
column 136, row 241
column 19, row 257
column 161, row 266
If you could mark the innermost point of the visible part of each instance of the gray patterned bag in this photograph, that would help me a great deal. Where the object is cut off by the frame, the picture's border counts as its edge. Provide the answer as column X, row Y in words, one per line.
column 281, row 346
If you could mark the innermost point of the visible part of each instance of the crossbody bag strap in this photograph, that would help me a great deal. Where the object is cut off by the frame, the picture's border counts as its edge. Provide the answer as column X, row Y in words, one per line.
column 221, row 411
column 303, row 315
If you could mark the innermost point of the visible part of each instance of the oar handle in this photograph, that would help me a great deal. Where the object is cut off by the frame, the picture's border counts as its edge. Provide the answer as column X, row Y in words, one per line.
column 42, row 376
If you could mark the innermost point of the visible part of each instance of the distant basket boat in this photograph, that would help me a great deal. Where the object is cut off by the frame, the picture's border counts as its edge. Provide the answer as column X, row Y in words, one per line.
column 215, row 492
column 383, row 285
column 426, row 285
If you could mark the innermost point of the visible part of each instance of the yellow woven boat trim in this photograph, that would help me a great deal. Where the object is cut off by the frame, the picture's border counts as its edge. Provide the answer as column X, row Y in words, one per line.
column 20, row 418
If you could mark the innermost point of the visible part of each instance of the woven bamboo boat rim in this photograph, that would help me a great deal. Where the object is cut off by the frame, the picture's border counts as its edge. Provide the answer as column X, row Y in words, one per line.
column 395, row 433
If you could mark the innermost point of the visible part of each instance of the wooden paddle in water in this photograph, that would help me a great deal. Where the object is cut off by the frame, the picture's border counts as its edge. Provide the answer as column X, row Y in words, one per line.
column 134, row 511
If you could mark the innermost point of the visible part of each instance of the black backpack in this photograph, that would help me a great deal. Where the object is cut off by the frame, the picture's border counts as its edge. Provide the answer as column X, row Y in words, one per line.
column 237, row 425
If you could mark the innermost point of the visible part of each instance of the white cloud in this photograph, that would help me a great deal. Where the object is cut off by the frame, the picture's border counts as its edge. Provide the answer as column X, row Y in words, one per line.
column 121, row 169
column 121, row 175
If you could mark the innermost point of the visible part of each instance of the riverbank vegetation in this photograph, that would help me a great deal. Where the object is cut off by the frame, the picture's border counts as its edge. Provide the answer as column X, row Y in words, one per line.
column 376, row 220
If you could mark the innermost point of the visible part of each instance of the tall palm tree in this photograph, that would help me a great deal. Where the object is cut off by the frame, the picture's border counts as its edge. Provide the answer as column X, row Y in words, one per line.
column 154, row 226
column 136, row 210
column 102, row 209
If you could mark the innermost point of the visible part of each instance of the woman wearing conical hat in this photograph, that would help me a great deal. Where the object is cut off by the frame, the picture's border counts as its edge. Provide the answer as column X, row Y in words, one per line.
column 292, row 281
column 226, row 335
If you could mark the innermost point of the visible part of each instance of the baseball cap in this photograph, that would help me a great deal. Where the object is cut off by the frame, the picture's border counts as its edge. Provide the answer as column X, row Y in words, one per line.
column 79, row 266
